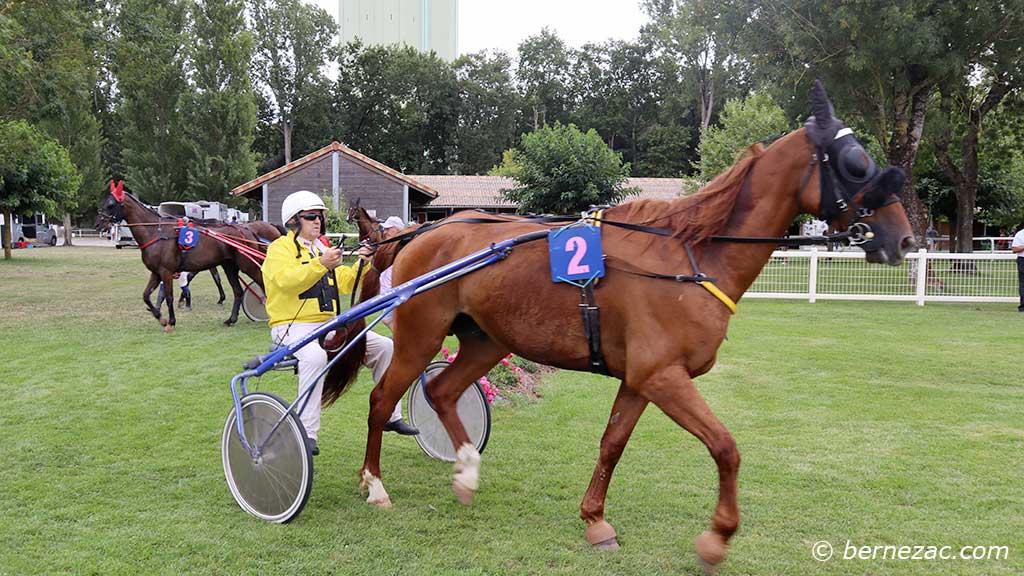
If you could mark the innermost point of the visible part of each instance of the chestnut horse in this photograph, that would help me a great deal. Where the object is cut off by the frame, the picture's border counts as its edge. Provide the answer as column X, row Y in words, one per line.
column 657, row 335
column 158, row 243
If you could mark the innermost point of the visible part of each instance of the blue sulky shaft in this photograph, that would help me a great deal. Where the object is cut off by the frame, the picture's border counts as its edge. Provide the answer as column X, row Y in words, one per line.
column 380, row 303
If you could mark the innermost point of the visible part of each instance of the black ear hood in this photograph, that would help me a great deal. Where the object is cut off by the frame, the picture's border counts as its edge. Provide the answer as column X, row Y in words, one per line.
column 885, row 189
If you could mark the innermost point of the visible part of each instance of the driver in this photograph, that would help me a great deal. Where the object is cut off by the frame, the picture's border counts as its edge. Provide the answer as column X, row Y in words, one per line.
column 304, row 276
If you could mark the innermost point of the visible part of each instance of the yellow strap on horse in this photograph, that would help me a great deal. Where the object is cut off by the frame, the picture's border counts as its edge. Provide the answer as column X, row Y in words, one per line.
column 597, row 224
column 710, row 287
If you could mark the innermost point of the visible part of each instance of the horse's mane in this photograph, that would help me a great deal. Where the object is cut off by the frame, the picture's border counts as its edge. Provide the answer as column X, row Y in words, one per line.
column 696, row 217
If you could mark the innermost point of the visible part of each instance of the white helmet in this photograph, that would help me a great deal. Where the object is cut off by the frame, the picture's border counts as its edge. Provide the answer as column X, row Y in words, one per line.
column 299, row 201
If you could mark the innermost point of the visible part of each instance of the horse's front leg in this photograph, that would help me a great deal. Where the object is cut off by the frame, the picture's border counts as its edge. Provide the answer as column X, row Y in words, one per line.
column 154, row 281
column 236, row 288
column 672, row 390
column 168, row 279
column 477, row 355
column 626, row 412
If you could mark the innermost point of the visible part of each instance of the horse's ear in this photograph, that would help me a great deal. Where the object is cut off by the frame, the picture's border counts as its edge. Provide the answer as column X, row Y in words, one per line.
column 821, row 108
column 889, row 183
column 117, row 190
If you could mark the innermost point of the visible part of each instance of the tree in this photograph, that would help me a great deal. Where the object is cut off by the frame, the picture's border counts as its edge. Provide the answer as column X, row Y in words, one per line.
column 58, row 71
column 701, row 37
column 614, row 86
column 487, row 110
column 991, row 50
column 399, row 106
column 293, row 42
column 149, row 63
column 565, row 171
column 222, row 115
column 543, row 77
column 744, row 122
column 36, row 175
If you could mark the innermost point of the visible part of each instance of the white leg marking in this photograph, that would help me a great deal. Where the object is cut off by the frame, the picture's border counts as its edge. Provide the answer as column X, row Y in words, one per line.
column 467, row 466
column 378, row 495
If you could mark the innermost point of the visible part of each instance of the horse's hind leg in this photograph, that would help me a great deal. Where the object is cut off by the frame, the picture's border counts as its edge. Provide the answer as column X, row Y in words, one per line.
column 220, row 288
column 477, row 354
column 673, row 391
column 626, row 412
column 236, row 287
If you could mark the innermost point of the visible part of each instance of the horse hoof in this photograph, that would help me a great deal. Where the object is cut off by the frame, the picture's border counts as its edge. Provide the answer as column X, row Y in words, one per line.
column 229, row 322
column 711, row 549
column 602, row 536
column 384, row 503
column 463, row 492
column 168, row 328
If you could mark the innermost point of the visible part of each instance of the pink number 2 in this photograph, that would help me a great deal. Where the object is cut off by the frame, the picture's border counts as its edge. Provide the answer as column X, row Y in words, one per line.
column 579, row 246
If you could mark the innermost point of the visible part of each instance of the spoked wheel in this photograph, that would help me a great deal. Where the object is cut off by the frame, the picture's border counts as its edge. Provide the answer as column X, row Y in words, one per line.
column 275, row 486
column 474, row 411
column 254, row 303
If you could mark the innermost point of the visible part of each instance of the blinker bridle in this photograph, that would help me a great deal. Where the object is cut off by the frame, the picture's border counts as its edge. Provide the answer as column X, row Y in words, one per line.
column 846, row 176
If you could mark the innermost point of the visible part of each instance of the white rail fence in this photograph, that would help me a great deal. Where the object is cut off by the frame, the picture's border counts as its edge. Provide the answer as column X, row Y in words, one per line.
column 923, row 277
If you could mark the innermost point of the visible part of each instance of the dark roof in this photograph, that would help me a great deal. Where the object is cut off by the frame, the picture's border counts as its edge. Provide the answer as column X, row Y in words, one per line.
column 485, row 191
column 334, row 147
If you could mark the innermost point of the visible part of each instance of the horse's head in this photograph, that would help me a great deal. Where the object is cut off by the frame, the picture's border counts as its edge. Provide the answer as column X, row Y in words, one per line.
column 851, row 193
column 353, row 211
column 369, row 227
column 111, row 210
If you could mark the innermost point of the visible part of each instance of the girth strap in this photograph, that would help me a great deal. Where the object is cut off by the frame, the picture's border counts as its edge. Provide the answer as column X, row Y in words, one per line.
column 592, row 328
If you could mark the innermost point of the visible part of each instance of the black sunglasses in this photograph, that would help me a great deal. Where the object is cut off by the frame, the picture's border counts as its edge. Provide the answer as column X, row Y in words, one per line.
column 310, row 217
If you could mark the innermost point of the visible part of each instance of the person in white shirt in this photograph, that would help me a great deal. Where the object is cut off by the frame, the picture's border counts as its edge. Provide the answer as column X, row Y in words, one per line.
column 1018, row 248
column 392, row 227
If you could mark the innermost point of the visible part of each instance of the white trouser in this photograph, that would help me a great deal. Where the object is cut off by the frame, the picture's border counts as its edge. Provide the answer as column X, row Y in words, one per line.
column 312, row 359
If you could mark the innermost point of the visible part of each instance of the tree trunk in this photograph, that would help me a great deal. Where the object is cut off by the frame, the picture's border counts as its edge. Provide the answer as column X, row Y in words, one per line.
column 902, row 152
column 67, row 229
column 8, row 228
column 536, row 118
column 286, row 129
column 965, row 200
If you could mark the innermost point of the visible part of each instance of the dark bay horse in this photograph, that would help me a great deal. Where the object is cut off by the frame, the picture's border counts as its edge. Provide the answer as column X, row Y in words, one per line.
column 657, row 335
column 158, row 244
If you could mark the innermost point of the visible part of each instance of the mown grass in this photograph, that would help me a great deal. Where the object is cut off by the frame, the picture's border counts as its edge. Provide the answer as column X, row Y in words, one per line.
column 878, row 423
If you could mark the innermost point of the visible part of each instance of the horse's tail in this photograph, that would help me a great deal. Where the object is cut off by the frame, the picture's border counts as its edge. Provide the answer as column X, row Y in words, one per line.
column 345, row 370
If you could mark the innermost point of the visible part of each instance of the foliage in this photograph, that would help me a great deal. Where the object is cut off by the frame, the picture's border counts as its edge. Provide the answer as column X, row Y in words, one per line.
column 337, row 221
column 292, row 44
column 50, row 70
column 744, row 122
column 398, row 106
column 565, row 171
column 222, row 111
column 511, row 165
column 36, row 175
column 150, row 59
column 487, row 110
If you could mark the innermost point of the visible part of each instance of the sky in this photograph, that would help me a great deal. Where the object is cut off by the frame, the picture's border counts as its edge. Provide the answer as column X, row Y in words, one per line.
column 503, row 24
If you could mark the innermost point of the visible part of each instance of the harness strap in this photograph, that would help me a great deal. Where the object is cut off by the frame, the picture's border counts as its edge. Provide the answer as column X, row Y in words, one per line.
column 151, row 242
column 592, row 328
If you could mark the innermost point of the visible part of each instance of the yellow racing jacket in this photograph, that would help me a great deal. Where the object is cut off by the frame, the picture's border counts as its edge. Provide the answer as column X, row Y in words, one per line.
column 299, row 288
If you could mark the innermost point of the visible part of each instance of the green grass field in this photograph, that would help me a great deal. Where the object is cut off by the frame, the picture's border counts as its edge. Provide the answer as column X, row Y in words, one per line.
column 875, row 423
